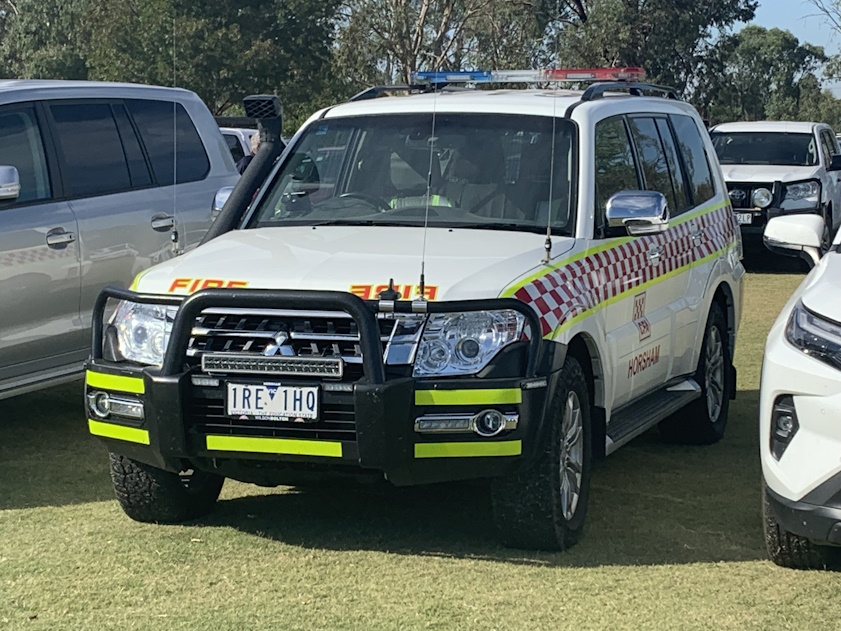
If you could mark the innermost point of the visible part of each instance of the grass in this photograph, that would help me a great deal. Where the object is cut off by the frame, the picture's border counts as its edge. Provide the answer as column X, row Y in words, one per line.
column 673, row 541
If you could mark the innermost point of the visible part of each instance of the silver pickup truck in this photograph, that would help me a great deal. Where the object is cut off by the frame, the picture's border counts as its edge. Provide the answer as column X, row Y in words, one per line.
column 98, row 181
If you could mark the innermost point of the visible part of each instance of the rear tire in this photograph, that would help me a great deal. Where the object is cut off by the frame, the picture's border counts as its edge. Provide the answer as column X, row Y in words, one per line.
column 149, row 494
column 793, row 551
column 544, row 506
column 703, row 421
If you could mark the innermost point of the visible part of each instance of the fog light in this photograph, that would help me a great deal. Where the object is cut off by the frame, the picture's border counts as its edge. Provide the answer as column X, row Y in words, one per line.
column 488, row 423
column 127, row 408
column 99, row 403
column 762, row 198
column 784, row 425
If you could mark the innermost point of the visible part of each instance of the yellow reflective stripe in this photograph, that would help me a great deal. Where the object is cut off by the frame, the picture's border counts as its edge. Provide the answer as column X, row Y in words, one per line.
column 120, row 383
column 136, row 280
column 613, row 243
column 119, row 432
column 287, row 446
column 469, row 450
column 497, row 396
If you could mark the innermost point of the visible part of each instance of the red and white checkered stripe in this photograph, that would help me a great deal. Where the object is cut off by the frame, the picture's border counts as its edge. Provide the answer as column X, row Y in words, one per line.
column 581, row 285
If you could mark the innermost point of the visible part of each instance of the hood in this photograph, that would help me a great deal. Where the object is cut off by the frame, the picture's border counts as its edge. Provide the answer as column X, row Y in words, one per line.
column 460, row 264
column 823, row 294
column 768, row 173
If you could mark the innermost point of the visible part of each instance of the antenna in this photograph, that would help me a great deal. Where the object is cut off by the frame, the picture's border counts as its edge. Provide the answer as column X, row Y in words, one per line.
column 176, row 249
column 547, row 245
column 422, row 283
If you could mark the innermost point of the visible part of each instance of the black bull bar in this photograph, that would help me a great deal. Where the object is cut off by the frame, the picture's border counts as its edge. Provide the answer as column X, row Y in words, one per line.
column 363, row 313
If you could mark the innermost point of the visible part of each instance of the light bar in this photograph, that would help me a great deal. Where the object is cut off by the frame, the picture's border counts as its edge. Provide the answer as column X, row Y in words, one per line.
column 529, row 76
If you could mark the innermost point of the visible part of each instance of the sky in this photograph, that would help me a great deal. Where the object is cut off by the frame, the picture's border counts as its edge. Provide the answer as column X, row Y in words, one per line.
column 802, row 19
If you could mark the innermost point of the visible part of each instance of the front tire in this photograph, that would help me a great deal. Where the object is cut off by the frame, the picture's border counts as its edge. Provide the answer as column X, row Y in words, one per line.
column 149, row 494
column 793, row 551
column 703, row 421
column 544, row 506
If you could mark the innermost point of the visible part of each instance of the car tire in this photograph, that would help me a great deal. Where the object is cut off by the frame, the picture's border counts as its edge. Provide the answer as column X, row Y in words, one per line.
column 703, row 421
column 793, row 551
column 538, row 508
column 150, row 494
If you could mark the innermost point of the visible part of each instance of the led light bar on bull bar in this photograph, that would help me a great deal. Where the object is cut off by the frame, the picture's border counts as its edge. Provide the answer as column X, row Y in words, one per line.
column 529, row 76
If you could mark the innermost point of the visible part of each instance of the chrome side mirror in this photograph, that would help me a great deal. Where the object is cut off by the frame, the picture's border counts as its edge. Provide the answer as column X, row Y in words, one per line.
column 795, row 235
column 219, row 200
column 638, row 212
column 9, row 183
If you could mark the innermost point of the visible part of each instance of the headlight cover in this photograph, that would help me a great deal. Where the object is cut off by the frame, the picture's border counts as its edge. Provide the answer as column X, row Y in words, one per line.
column 464, row 343
column 143, row 331
column 801, row 195
column 815, row 336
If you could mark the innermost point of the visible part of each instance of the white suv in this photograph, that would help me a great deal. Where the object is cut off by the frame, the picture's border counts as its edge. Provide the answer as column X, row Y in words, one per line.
column 780, row 168
column 566, row 274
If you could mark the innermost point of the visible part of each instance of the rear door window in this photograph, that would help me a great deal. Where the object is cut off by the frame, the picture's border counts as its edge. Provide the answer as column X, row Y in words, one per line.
column 694, row 158
column 165, row 129
column 22, row 147
column 655, row 166
column 94, row 160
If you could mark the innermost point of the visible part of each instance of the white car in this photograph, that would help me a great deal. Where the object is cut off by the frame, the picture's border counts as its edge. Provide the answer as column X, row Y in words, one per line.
column 779, row 168
column 800, row 406
column 238, row 140
column 447, row 285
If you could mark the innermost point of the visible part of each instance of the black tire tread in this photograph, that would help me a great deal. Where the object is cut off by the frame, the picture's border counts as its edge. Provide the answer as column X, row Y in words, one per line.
column 793, row 551
column 152, row 495
column 526, row 506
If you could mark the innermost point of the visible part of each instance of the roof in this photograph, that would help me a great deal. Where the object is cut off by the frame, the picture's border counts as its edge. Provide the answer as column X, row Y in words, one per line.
column 21, row 89
column 787, row 127
column 534, row 102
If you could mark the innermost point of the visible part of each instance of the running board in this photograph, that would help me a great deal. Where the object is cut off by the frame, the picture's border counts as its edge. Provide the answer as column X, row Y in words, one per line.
column 631, row 420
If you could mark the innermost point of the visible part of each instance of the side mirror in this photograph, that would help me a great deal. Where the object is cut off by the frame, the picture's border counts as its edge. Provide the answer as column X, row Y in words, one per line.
column 795, row 235
column 9, row 183
column 834, row 163
column 219, row 200
column 637, row 212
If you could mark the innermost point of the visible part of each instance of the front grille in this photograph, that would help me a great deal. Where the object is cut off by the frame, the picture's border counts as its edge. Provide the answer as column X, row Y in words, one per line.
column 205, row 415
column 286, row 335
column 741, row 193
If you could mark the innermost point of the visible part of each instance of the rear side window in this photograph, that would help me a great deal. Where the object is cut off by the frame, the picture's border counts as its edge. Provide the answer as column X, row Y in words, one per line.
column 21, row 147
column 655, row 166
column 235, row 147
column 165, row 128
column 615, row 169
column 94, row 159
column 695, row 162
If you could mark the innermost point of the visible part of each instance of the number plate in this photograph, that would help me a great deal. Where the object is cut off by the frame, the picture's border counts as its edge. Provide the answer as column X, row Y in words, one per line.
column 273, row 402
column 744, row 218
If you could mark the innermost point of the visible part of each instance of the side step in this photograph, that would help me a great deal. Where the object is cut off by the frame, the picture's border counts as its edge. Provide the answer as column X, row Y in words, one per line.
column 633, row 419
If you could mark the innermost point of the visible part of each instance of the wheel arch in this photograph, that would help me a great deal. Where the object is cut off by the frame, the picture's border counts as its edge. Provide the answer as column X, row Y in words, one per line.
column 723, row 296
column 584, row 349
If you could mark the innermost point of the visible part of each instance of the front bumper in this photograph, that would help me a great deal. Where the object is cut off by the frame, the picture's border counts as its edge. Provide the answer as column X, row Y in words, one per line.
column 760, row 218
column 818, row 522
column 367, row 426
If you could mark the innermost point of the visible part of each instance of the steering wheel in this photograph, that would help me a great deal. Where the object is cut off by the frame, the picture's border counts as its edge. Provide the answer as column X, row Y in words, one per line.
column 376, row 202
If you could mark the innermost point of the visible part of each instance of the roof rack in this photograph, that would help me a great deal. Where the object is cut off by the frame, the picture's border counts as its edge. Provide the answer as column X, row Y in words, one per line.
column 379, row 90
column 598, row 90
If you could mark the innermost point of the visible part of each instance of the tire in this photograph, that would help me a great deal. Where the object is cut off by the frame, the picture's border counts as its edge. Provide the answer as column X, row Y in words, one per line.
column 534, row 509
column 149, row 494
column 703, row 421
column 793, row 551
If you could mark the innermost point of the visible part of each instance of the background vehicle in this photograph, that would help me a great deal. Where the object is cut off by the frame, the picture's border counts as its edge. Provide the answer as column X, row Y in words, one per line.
column 91, row 193
column 779, row 168
column 799, row 407
column 537, row 335
column 238, row 140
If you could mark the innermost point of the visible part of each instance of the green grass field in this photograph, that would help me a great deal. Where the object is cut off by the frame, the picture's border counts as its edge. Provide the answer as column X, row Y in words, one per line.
column 674, row 541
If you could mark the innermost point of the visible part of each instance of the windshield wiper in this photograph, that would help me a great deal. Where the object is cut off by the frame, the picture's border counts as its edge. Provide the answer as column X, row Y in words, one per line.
column 505, row 226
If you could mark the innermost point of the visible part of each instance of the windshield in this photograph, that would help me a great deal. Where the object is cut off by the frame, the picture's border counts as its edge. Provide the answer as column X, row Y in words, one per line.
column 486, row 171
column 797, row 150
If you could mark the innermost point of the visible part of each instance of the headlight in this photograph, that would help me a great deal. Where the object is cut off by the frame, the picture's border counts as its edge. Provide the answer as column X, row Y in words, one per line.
column 143, row 331
column 801, row 196
column 815, row 336
column 464, row 343
column 762, row 197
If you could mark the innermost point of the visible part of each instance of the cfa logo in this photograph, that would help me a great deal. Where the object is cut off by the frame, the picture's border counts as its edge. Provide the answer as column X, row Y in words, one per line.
column 190, row 285
column 642, row 323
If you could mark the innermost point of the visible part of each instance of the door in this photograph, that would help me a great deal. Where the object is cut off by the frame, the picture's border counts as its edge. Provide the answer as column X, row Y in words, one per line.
column 124, row 219
column 831, row 179
column 40, row 324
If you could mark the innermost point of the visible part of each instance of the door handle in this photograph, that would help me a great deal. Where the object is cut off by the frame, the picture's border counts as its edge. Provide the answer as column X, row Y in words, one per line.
column 162, row 223
column 697, row 237
column 654, row 255
column 57, row 238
